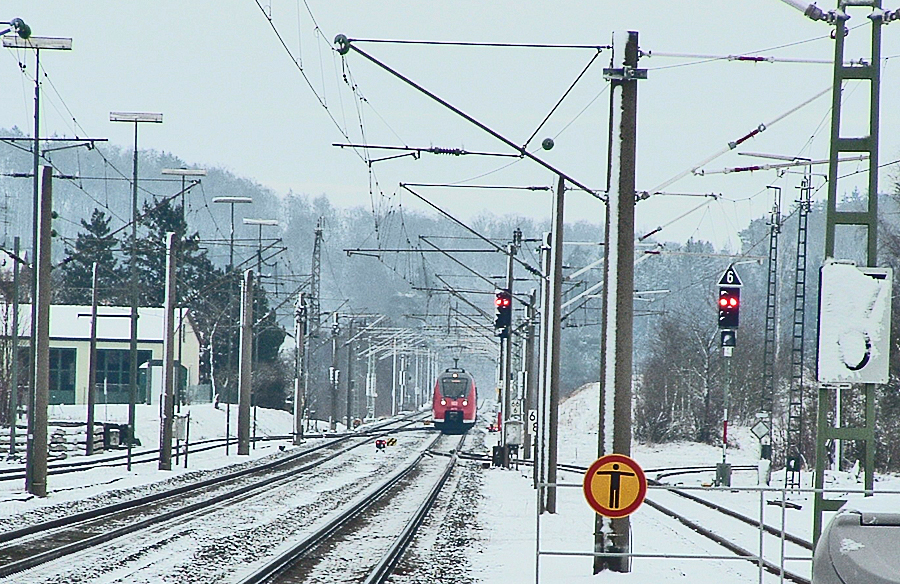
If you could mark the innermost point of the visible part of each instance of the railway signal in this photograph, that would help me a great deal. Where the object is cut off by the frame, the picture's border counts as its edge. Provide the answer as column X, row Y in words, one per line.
column 729, row 300
column 729, row 307
column 503, row 314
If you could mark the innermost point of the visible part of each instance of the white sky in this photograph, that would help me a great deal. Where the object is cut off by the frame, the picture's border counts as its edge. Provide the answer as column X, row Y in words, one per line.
column 231, row 96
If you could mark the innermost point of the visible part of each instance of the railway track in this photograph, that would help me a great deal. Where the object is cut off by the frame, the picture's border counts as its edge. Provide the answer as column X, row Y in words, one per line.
column 151, row 455
column 743, row 533
column 143, row 456
column 312, row 558
column 33, row 546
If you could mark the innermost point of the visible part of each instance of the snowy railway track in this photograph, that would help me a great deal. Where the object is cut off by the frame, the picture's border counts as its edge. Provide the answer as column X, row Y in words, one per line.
column 313, row 559
column 740, row 535
column 138, row 457
column 40, row 543
column 152, row 455
column 729, row 542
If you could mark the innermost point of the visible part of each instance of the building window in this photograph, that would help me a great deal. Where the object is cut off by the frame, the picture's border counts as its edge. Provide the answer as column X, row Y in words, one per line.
column 62, row 376
column 113, row 376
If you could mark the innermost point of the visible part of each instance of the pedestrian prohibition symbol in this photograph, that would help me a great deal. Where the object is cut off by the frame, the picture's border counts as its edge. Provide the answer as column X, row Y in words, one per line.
column 615, row 486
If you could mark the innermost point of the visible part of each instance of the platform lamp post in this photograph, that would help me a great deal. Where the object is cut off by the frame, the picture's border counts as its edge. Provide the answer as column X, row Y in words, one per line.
column 183, row 173
column 230, row 201
column 23, row 40
column 260, row 223
column 136, row 118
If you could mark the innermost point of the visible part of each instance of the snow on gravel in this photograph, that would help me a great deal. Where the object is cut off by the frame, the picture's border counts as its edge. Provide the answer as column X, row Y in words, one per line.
column 483, row 532
column 218, row 541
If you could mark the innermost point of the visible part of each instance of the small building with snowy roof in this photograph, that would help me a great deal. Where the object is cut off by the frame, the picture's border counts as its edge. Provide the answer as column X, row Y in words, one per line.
column 70, row 337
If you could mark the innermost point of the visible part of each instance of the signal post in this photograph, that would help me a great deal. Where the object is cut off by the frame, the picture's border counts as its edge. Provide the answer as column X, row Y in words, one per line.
column 729, row 306
column 502, row 324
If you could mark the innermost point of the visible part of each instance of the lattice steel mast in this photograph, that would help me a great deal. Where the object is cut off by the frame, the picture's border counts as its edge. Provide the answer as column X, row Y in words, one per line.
column 794, row 447
column 771, row 338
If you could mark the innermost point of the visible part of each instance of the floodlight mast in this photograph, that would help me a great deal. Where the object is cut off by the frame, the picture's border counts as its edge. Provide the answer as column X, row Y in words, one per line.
column 260, row 223
column 232, row 201
column 24, row 40
column 184, row 173
column 137, row 118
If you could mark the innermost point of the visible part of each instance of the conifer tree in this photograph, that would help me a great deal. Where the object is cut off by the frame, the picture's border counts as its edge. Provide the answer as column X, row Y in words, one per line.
column 94, row 244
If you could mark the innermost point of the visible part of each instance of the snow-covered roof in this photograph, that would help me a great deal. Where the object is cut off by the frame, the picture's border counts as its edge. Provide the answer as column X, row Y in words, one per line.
column 74, row 322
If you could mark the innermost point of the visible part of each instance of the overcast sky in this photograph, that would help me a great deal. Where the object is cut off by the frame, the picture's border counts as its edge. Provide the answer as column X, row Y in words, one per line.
column 232, row 97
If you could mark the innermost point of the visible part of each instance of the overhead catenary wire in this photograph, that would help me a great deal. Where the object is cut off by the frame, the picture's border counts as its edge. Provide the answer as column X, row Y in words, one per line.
column 742, row 58
column 680, row 217
column 776, row 166
column 531, row 269
column 462, row 186
column 734, row 144
column 482, row 44
column 561, row 99
column 345, row 45
column 711, row 59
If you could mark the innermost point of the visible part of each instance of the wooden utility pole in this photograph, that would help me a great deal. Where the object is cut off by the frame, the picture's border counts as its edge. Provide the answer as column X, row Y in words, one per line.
column 614, row 535
column 245, row 365
column 41, row 397
column 168, row 385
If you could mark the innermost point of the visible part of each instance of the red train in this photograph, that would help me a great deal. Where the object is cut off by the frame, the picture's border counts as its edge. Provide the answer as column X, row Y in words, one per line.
column 455, row 401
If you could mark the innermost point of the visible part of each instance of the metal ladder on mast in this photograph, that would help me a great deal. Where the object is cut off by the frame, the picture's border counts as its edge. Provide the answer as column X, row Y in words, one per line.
column 794, row 447
column 769, row 346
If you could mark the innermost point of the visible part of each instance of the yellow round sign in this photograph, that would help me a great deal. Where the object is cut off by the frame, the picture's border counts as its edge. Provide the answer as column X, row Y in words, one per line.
column 615, row 486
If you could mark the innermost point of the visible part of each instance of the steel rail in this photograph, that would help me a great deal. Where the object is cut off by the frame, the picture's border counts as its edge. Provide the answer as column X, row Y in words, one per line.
column 284, row 561
column 389, row 561
column 73, row 520
column 152, row 455
column 729, row 545
column 798, row 541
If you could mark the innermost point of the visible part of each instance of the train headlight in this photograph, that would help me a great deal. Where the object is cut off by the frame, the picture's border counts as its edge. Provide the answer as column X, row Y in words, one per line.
column 465, row 402
column 443, row 402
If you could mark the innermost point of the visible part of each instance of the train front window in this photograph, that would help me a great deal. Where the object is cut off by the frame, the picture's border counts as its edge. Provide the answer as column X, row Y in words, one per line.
column 454, row 387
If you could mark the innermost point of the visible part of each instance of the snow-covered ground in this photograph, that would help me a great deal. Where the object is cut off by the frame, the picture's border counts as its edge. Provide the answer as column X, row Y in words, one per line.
column 501, row 541
column 509, row 520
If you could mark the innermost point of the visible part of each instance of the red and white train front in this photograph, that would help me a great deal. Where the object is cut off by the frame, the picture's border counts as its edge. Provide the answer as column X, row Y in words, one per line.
column 455, row 401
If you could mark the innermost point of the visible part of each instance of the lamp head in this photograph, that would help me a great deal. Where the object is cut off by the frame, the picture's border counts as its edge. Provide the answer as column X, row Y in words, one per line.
column 22, row 29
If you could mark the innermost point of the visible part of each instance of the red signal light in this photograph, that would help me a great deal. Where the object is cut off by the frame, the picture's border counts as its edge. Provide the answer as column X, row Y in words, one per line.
column 729, row 305
column 503, row 315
